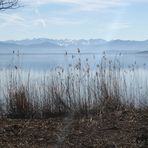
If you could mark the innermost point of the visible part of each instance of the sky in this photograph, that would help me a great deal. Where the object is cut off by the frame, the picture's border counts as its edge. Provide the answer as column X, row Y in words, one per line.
column 76, row 19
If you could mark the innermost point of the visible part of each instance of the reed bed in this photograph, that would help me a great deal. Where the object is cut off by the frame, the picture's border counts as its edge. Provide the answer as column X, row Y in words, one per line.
column 76, row 90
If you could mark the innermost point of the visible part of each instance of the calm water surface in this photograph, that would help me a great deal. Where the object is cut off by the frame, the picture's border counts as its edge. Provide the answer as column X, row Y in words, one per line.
column 44, row 62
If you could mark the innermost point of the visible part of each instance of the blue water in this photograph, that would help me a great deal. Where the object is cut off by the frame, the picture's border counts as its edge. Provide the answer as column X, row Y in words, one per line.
column 45, row 61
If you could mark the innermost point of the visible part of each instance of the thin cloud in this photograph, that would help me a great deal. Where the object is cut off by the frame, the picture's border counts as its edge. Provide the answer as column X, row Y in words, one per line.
column 119, row 25
column 9, row 19
column 88, row 4
column 54, row 21
column 39, row 22
column 82, row 4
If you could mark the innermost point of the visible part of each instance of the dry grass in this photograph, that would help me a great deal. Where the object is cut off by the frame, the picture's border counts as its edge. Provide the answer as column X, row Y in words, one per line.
column 19, row 104
column 77, row 90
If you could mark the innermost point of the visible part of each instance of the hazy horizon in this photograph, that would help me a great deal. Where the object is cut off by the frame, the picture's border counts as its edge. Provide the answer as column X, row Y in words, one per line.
column 72, row 39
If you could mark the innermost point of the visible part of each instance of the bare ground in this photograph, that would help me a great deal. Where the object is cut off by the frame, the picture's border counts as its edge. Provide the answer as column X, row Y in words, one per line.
column 125, row 129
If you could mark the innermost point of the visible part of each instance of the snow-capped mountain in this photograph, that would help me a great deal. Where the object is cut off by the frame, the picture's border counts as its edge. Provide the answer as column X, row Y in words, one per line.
column 98, row 45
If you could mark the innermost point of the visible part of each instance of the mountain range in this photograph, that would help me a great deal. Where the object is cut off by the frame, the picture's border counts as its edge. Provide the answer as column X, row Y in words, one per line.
column 96, row 45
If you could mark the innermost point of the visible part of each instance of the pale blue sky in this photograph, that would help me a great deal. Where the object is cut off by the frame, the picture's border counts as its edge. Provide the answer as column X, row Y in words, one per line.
column 76, row 19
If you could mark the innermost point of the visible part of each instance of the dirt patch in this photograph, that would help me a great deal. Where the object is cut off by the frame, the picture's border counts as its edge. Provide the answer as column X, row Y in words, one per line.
column 112, row 130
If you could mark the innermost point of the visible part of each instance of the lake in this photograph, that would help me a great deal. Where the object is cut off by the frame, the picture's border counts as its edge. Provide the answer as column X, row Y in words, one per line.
column 46, row 61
